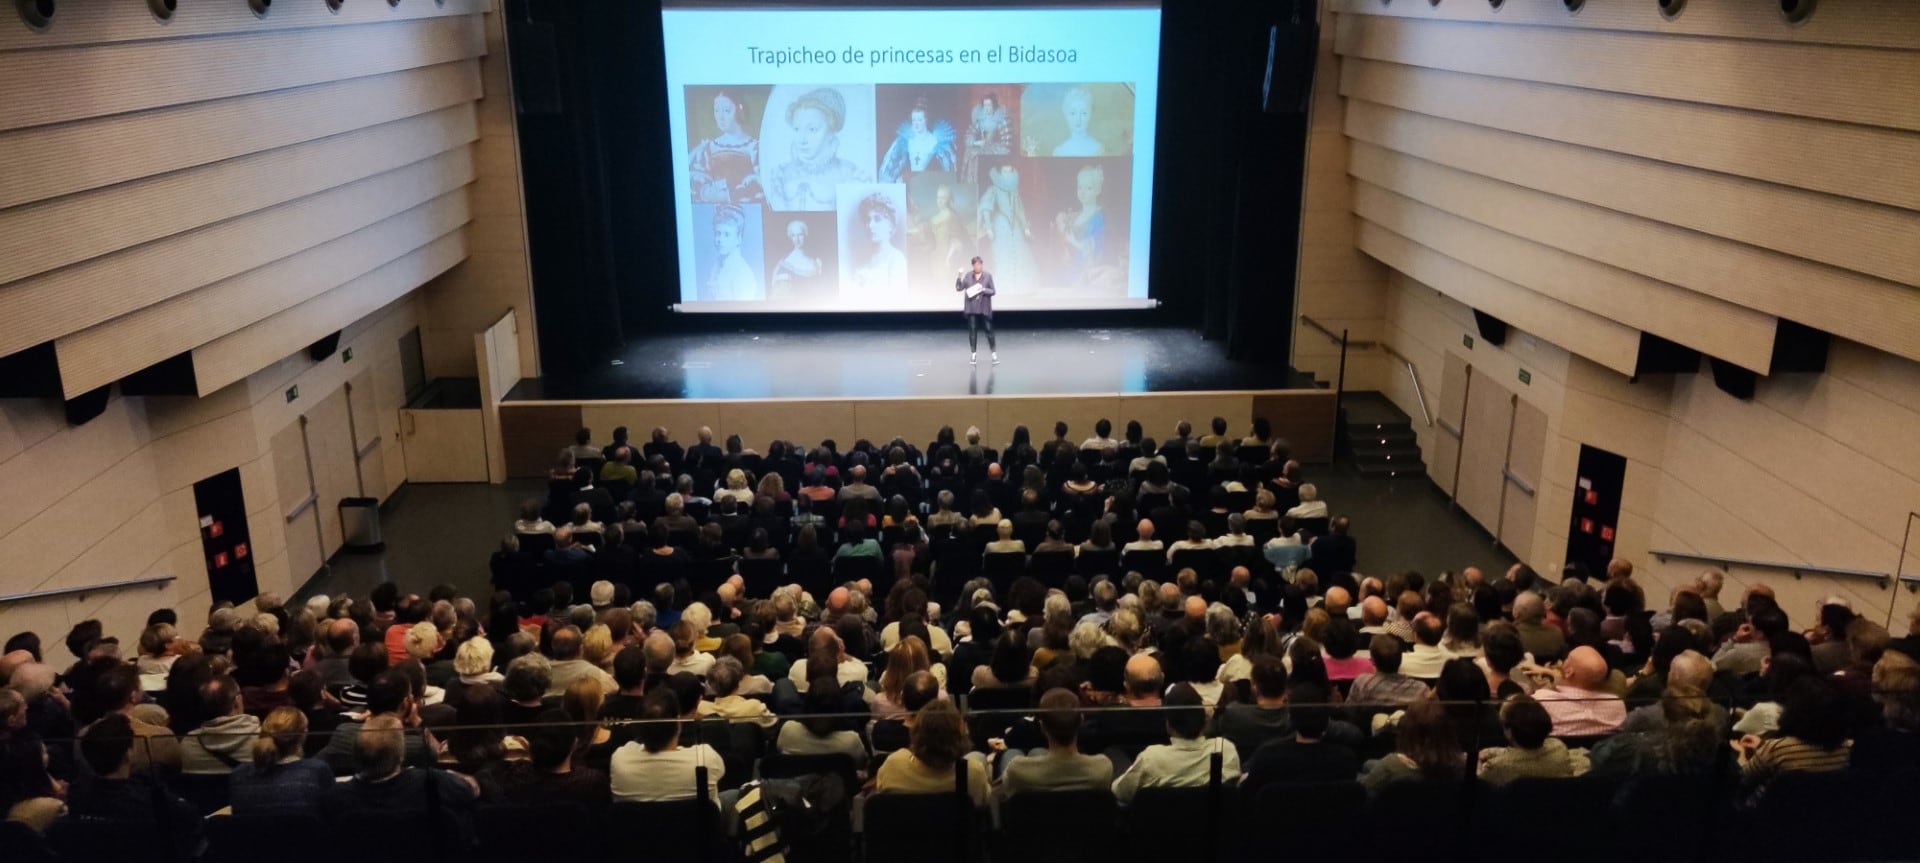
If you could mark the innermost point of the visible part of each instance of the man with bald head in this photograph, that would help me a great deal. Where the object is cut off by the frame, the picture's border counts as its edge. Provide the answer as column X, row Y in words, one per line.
column 1338, row 602
column 1373, row 616
column 1128, row 731
column 838, row 601
column 1241, row 580
column 857, row 486
column 1146, row 542
column 1471, row 579
column 1579, row 702
column 1426, row 659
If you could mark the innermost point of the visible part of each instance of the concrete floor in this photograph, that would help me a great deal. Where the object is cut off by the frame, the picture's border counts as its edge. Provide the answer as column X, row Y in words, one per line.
column 445, row 533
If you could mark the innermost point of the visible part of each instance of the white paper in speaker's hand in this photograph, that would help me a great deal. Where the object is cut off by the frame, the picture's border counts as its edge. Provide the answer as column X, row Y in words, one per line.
column 975, row 289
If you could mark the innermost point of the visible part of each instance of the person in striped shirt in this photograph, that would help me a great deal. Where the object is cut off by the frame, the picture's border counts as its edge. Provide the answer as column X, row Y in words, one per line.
column 1812, row 737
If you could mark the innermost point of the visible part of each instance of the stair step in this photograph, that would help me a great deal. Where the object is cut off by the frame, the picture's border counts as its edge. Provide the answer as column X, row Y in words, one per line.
column 1383, row 437
column 1385, row 453
column 1382, row 470
column 1357, row 431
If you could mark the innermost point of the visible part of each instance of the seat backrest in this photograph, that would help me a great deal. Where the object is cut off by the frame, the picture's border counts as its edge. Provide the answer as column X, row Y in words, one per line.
column 1147, row 562
column 672, row 830
column 207, row 792
column 1093, row 563
column 1052, row 825
column 240, row 838
column 524, row 831
column 779, row 765
column 81, row 837
column 1202, row 560
column 762, row 575
column 935, row 827
column 1311, row 819
column 535, row 544
column 1051, row 567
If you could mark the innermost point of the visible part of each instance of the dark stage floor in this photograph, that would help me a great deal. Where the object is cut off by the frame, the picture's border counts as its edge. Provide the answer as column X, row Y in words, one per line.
column 910, row 362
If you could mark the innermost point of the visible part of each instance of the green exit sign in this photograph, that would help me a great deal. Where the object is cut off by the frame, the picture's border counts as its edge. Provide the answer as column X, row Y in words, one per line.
column 1466, row 341
column 1526, row 377
column 346, row 356
column 293, row 392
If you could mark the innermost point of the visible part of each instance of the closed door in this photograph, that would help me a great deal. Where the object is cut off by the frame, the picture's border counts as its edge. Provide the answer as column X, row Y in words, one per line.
column 1444, row 465
column 1526, row 456
column 330, row 448
column 444, row 445
column 1483, row 449
column 298, row 505
column 369, row 461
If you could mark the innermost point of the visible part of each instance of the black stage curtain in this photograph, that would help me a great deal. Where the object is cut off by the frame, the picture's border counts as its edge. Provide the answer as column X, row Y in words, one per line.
column 591, row 102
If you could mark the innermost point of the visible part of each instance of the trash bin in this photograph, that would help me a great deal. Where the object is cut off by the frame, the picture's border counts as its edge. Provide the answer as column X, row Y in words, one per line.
column 360, row 524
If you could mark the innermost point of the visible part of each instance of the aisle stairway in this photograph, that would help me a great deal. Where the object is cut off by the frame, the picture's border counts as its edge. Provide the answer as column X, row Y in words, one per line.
column 1378, row 437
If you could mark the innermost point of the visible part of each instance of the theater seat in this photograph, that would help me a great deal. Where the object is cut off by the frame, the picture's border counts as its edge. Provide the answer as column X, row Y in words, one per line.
column 248, row 838
column 934, row 828
column 517, row 833
column 676, row 831
column 1304, row 820
column 1058, row 827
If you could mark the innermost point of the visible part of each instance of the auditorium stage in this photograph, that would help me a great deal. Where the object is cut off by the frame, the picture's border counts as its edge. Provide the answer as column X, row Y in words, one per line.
column 914, row 362
column 877, row 384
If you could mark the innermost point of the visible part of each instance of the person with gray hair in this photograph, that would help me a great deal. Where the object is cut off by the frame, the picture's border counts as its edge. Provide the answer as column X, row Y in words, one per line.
column 1086, row 638
column 724, row 680
column 1222, row 626
column 1105, row 598
column 528, row 680
column 1545, row 642
column 944, row 512
column 1689, row 668
column 1236, row 535
column 644, row 616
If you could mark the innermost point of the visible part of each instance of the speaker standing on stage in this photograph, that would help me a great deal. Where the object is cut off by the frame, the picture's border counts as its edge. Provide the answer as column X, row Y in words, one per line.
column 978, row 286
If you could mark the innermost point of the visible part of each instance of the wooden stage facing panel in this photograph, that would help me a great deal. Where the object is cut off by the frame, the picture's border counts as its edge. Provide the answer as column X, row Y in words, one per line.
column 533, row 432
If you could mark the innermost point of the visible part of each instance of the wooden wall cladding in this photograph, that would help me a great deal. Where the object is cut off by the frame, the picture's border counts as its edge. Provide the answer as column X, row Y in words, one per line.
column 194, row 177
column 534, row 434
column 1695, row 178
column 1305, row 418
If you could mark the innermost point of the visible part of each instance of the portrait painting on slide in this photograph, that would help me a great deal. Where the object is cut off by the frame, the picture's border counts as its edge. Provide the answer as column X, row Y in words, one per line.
column 801, row 253
column 1086, row 205
column 723, row 147
column 814, row 139
column 729, row 252
column 1076, row 120
column 919, row 128
column 872, row 218
column 940, row 230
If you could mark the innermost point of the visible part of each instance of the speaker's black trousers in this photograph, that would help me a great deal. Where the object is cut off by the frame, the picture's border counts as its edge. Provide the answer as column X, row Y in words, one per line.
column 974, row 323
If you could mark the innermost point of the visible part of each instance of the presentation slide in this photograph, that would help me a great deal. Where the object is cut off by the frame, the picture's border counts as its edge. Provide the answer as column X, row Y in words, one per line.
column 855, row 160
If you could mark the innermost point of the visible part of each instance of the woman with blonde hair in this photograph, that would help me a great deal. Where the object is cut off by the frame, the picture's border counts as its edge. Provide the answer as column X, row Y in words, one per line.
column 582, row 702
column 278, row 780
column 774, row 487
column 596, row 647
column 737, row 488
column 473, row 663
column 907, row 657
column 1264, row 507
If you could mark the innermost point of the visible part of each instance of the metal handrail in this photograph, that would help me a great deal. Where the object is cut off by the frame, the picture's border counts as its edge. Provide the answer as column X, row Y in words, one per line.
column 1322, row 328
column 89, row 588
column 1419, row 393
column 1797, row 569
